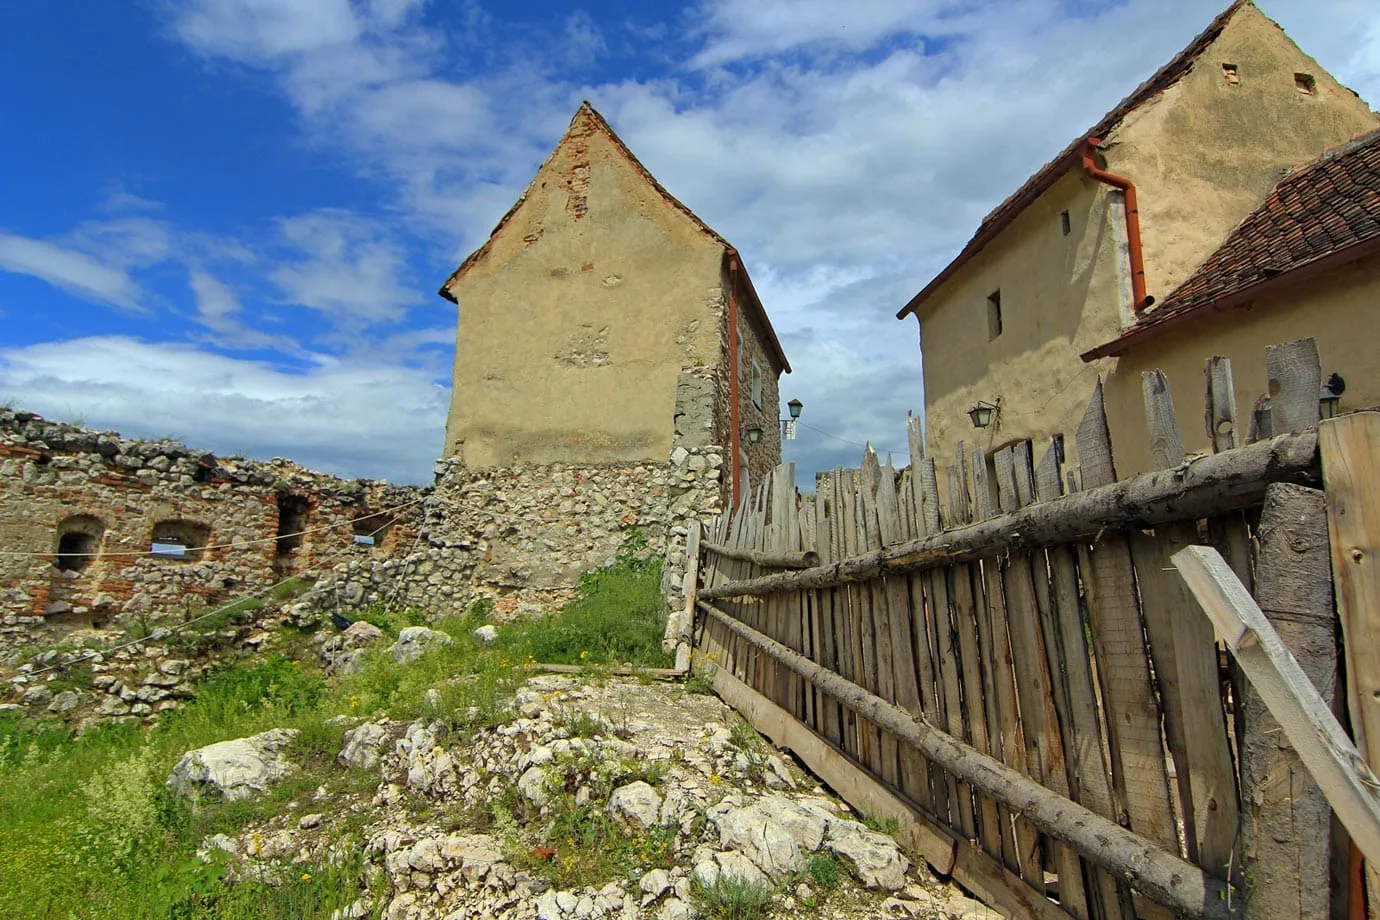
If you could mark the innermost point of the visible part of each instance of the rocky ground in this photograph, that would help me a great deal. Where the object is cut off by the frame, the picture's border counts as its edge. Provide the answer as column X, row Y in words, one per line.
column 590, row 798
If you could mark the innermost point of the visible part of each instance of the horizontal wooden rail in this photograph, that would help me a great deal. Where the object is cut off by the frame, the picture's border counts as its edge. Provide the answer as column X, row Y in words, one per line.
column 1202, row 487
column 787, row 559
column 1161, row 876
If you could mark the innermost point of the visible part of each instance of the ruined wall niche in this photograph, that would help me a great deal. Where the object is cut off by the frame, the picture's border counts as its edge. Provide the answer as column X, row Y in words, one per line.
column 78, row 540
column 371, row 527
column 294, row 514
column 180, row 540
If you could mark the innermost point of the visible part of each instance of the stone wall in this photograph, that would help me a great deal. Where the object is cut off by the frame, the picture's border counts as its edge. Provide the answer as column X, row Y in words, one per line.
column 98, row 531
column 522, row 537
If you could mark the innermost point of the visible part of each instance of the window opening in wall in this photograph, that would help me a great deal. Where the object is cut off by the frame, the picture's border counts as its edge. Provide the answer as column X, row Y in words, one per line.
column 180, row 539
column 370, row 528
column 293, row 513
column 993, row 315
column 1230, row 75
column 1305, row 83
column 79, row 539
column 756, row 384
column 1065, row 223
column 1059, row 449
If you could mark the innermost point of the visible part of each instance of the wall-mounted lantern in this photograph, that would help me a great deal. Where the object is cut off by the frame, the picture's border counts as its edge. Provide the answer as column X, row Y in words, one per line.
column 984, row 413
column 1332, row 389
column 788, row 424
column 754, row 435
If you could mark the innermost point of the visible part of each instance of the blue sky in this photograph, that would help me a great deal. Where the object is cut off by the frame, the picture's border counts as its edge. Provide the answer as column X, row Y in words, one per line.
column 226, row 220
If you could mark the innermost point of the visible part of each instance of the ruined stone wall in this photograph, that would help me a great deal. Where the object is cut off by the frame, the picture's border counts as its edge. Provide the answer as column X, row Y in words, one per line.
column 81, row 512
column 523, row 536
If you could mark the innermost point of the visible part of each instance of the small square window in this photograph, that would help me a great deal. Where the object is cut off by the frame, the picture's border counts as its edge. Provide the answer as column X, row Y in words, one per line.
column 993, row 315
column 1230, row 75
column 1065, row 223
column 1305, row 83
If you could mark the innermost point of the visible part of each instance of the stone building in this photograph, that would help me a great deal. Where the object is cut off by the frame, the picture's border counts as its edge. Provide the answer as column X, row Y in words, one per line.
column 1124, row 215
column 98, row 530
column 604, row 323
column 612, row 360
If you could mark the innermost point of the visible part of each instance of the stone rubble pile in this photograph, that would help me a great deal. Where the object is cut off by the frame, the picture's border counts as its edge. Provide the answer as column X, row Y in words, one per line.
column 456, row 827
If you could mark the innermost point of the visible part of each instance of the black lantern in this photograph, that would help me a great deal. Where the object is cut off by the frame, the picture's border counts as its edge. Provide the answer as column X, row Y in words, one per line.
column 754, row 435
column 1332, row 389
column 795, row 406
column 982, row 414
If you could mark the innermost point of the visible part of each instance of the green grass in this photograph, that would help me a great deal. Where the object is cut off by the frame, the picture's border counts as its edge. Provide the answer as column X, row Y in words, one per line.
column 731, row 898
column 87, row 829
column 618, row 617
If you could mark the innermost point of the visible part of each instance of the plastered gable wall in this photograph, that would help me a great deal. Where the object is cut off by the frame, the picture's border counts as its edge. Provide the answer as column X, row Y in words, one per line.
column 1207, row 151
column 1338, row 310
column 1203, row 154
column 576, row 322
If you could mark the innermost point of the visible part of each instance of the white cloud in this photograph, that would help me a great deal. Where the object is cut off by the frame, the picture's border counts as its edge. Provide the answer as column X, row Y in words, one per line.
column 218, row 310
column 848, row 150
column 349, row 272
column 351, row 417
column 69, row 270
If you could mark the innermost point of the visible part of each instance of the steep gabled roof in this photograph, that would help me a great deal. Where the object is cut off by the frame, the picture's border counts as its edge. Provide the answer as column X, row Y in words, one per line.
column 598, row 122
column 1322, row 214
column 1006, row 212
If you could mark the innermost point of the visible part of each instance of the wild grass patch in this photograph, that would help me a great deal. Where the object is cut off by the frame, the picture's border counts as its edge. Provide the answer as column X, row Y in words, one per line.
column 87, row 829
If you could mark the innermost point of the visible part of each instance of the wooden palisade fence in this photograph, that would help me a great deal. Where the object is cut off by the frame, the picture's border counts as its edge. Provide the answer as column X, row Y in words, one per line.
column 1021, row 679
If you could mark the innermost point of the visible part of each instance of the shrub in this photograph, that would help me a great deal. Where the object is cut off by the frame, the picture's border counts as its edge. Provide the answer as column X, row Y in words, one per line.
column 731, row 897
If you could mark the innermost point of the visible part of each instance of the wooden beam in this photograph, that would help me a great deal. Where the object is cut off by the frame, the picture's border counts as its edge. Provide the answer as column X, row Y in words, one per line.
column 945, row 853
column 1307, row 721
column 1161, row 876
column 1206, row 486
column 781, row 559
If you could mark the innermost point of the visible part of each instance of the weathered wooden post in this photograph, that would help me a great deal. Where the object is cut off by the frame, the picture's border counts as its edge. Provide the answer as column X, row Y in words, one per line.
column 1286, row 821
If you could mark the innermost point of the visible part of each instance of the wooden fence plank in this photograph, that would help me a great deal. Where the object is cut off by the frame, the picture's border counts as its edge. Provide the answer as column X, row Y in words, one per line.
column 1184, row 652
column 1137, row 754
column 1035, row 663
column 1076, row 699
column 878, row 625
column 896, row 602
column 1295, row 377
column 1220, row 414
column 1350, row 446
column 926, row 651
column 962, row 817
column 1302, row 714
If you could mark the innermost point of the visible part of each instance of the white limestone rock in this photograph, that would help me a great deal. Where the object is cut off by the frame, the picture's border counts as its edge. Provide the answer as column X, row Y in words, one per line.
column 415, row 641
column 234, row 770
column 636, row 803
column 874, row 858
column 364, row 746
column 775, row 832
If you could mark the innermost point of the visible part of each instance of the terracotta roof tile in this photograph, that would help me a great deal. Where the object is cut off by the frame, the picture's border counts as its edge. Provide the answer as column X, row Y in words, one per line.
column 1318, row 211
